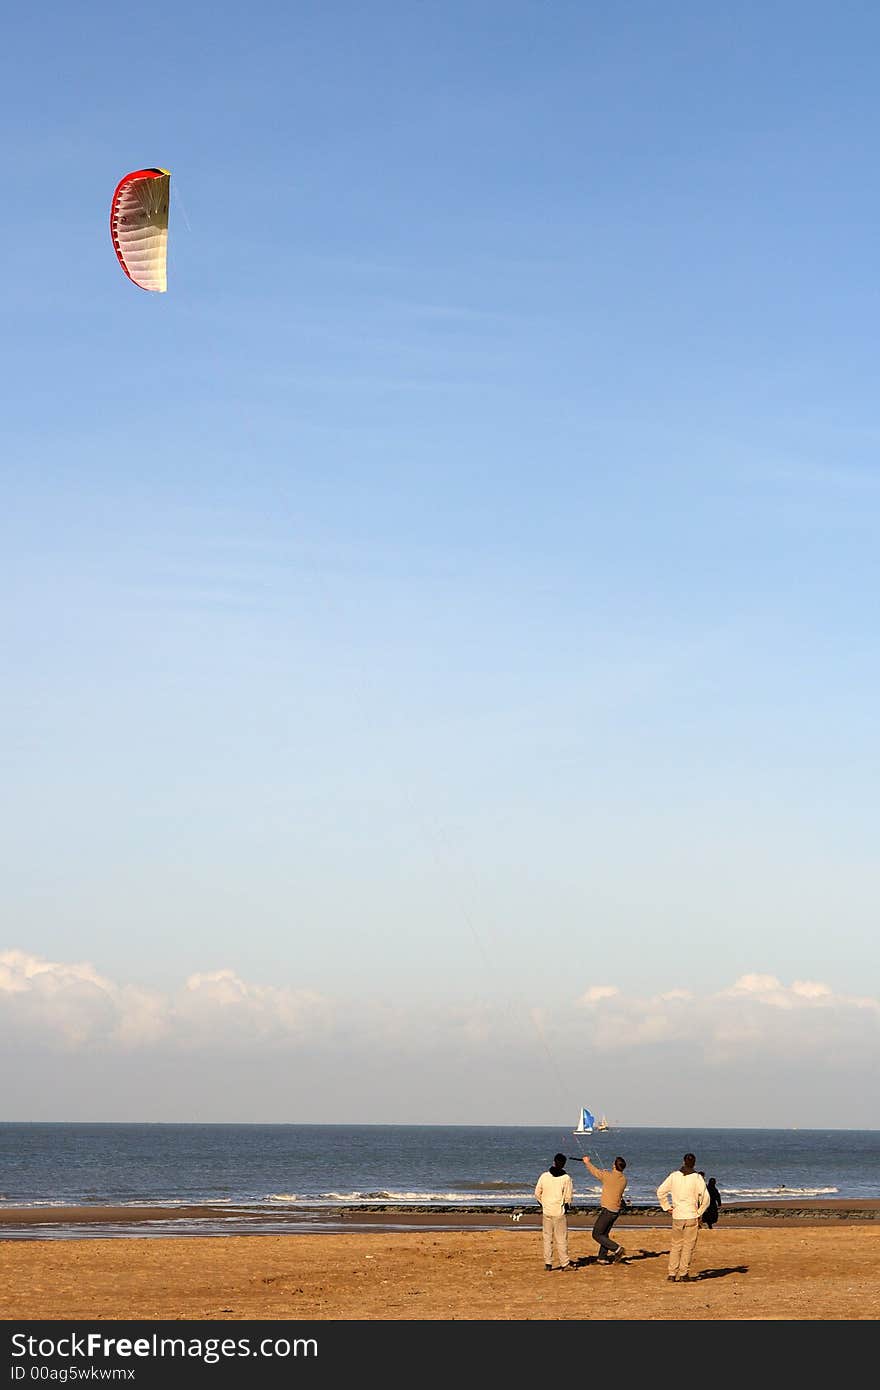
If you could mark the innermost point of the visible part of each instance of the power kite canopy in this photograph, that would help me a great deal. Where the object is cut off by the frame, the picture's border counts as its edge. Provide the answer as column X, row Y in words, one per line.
column 139, row 227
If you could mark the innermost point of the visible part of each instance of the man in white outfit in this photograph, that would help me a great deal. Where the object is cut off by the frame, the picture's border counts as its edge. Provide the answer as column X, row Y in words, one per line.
column 554, row 1191
column 688, row 1199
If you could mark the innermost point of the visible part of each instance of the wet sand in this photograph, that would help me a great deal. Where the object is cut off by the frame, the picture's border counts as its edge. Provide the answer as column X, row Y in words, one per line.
column 817, row 1263
column 15, row 1219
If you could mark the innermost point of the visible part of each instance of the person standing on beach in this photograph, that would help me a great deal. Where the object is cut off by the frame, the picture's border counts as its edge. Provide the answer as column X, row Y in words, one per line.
column 613, row 1184
column 688, row 1199
column 712, row 1212
column 554, row 1191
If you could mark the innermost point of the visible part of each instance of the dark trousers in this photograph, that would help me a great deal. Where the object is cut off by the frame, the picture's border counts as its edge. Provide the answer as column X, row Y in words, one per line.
column 604, row 1221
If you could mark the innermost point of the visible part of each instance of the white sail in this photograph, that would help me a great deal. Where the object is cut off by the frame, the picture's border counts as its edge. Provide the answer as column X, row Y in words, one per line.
column 585, row 1122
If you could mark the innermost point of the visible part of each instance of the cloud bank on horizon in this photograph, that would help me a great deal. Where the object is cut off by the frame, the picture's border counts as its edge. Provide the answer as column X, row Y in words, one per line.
column 714, row 1043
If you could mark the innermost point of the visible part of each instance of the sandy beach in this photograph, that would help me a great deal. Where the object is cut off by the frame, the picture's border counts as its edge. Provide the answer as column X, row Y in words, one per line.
column 819, row 1263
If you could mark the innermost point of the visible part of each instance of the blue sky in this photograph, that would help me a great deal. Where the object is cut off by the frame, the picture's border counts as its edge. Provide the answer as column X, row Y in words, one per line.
column 457, row 595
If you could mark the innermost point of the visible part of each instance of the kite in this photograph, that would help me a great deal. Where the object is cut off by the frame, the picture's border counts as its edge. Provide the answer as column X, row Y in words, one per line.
column 139, row 227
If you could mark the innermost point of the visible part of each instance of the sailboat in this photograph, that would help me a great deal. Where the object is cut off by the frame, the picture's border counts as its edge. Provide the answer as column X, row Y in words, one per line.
column 602, row 1125
column 585, row 1123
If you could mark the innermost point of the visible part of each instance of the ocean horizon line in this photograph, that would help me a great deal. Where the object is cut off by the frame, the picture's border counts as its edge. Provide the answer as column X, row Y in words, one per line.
column 613, row 1128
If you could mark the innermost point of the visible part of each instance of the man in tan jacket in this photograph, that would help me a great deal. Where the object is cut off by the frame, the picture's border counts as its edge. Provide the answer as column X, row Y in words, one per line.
column 554, row 1191
column 613, row 1184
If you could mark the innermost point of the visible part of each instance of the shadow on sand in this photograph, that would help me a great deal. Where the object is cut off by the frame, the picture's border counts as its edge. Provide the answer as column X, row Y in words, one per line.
column 629, row 1259
column 699, row 1277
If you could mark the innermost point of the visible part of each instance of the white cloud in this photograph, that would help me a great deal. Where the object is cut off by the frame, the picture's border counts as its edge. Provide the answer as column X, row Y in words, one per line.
column 757, row 1019
column 72, row 1001
column 808, row 989
column 596, row 993
column 765, row 988
column 746, row 1053
column 756, row 1011
column 244, row 1010
column 74, row 1005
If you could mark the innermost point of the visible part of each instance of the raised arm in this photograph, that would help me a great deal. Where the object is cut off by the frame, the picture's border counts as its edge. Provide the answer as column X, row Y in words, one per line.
column 597, row 1172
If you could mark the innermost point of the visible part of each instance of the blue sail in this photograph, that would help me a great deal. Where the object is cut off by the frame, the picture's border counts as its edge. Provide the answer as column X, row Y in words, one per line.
column 585, row 1123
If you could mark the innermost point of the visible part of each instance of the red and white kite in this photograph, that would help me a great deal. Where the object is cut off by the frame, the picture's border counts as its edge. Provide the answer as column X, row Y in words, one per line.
column 139, row 227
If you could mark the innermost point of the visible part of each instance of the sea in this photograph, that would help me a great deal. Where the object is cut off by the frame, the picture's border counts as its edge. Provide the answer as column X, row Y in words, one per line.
column 259, row 1176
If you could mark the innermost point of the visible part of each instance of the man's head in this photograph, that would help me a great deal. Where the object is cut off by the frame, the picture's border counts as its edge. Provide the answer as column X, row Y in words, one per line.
column 620, row 1163
column 559, row 1161
column 689, row 1162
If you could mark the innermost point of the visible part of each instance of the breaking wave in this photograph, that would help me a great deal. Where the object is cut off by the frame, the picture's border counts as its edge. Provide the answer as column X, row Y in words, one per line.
column 763, row 1192
column 475, row 1185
